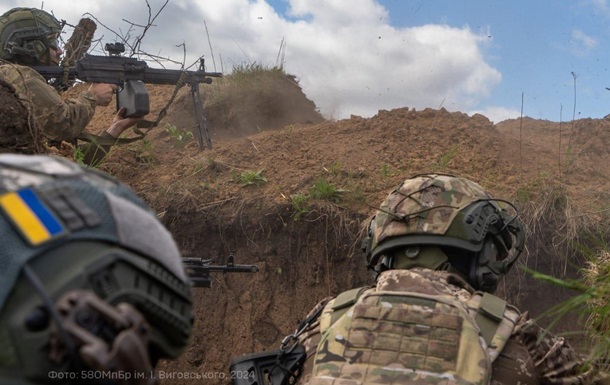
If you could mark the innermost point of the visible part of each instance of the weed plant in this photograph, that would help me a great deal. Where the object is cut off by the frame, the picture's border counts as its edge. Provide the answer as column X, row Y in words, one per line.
column 248, row 178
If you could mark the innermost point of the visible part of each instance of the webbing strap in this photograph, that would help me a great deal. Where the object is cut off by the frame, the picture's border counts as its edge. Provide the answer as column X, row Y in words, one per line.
column 149, row 125
column 489, row 315
column 106, row 140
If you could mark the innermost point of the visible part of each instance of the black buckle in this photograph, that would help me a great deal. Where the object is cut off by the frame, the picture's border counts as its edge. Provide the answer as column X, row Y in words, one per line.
column 276, row 367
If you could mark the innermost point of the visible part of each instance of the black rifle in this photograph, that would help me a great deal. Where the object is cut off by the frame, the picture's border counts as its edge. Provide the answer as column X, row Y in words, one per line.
column 199, row 269
column 130, row 74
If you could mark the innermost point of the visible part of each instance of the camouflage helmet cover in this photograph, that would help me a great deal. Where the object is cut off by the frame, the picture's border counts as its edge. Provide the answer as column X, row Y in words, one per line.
column 423, row 210
column 24, row 35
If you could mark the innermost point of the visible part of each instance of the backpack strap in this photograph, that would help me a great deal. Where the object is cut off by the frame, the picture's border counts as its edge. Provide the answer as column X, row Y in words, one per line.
column 489, row 315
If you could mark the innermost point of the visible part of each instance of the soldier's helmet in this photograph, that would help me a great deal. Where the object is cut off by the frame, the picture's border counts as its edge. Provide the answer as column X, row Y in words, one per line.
column 26, row 35
column 92, row 286
column 456, row 218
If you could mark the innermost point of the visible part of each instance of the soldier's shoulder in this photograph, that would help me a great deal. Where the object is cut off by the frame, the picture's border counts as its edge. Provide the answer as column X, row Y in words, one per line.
column 11, row 72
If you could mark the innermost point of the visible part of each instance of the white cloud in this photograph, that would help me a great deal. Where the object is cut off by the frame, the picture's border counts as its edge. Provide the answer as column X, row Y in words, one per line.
column 348, row 59
column 600, row 5
column 582, row 43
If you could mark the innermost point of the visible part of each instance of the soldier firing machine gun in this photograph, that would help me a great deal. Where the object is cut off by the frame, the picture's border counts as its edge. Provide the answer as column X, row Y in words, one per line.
column 199, row 269
column 130, row 74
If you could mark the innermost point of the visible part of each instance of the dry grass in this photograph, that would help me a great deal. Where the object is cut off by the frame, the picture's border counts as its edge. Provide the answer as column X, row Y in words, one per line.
column 569, row 238
column 597, row 277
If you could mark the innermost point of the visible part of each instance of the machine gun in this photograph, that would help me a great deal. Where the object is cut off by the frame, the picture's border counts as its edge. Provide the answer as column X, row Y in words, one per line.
column 199, row 269
column 130, row 74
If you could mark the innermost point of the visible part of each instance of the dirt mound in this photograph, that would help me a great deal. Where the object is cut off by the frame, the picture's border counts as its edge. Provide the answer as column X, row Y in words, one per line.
column 245, row 105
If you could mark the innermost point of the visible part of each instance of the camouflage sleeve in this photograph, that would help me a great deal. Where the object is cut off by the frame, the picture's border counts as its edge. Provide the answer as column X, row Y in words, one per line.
column 59, row 119
column 554, row 359
column 310, row 339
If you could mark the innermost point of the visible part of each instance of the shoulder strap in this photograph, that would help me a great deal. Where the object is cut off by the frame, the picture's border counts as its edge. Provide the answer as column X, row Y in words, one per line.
column 489, row 315
column 344, row 301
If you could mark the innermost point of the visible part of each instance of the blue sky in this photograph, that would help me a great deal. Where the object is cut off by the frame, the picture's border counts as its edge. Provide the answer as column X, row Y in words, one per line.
column 359, row 56
column 536, row 45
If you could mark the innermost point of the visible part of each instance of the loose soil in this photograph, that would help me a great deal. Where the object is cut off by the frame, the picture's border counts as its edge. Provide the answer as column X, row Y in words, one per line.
column 309, row 250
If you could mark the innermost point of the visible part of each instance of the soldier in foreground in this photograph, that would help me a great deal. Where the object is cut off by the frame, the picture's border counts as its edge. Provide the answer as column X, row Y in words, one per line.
column 438, row 245
column 30, row 37
column 92, row 287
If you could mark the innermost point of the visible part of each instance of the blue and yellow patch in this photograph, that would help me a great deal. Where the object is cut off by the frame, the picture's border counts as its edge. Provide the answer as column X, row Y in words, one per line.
column 31, row 217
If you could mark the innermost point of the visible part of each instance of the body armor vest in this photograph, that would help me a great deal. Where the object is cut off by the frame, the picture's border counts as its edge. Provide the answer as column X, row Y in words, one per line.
column 411, row 329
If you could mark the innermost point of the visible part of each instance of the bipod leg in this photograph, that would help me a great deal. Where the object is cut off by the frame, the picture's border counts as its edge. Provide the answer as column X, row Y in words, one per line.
column 202, row 128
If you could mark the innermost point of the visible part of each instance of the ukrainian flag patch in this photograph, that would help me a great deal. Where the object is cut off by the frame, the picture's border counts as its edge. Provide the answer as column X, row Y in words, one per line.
column 31, row 217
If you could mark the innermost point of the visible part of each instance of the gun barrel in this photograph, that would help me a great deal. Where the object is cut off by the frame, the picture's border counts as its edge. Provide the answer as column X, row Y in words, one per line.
column 199, row 270
column 220, row 268
column 234, row 268
column 118, row 69
column 50, row 72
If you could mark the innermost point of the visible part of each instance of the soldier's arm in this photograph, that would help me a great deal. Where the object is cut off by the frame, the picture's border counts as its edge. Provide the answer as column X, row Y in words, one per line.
column 555, row 360
column 59, row 119
column 94, row 153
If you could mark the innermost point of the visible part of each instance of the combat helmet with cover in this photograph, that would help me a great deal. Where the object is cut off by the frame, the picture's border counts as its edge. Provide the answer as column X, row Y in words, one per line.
column 418, row 324
column 91, row 283
column 440, row 221
column 26, row 35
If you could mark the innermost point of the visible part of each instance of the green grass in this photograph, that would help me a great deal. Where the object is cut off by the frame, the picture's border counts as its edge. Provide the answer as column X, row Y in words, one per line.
column 79, row 156
column 325, row 190
column 299, row 204
column 179, row 135
column 254, row 68
column 445, row 159
column 248, row 178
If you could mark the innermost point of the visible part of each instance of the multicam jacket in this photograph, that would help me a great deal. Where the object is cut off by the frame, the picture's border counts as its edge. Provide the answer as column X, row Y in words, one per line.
column 522, row 359
column 59, row 119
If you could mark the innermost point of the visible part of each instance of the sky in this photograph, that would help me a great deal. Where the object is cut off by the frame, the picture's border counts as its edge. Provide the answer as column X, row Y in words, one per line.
column 545, row 59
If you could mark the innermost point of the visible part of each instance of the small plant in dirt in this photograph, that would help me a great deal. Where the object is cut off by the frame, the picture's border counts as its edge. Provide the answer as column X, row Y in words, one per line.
column 333, row 169
column 178, row 134
column 443, row 160
column 248, row 178
column 325, row 190
column 79, row 156
column 385, row 171
column 299, row 204
column 145, row 151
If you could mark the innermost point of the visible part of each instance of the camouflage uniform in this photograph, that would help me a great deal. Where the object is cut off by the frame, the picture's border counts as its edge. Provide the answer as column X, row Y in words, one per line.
column 62, row 120
column 523, row 360
column 59, row 119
